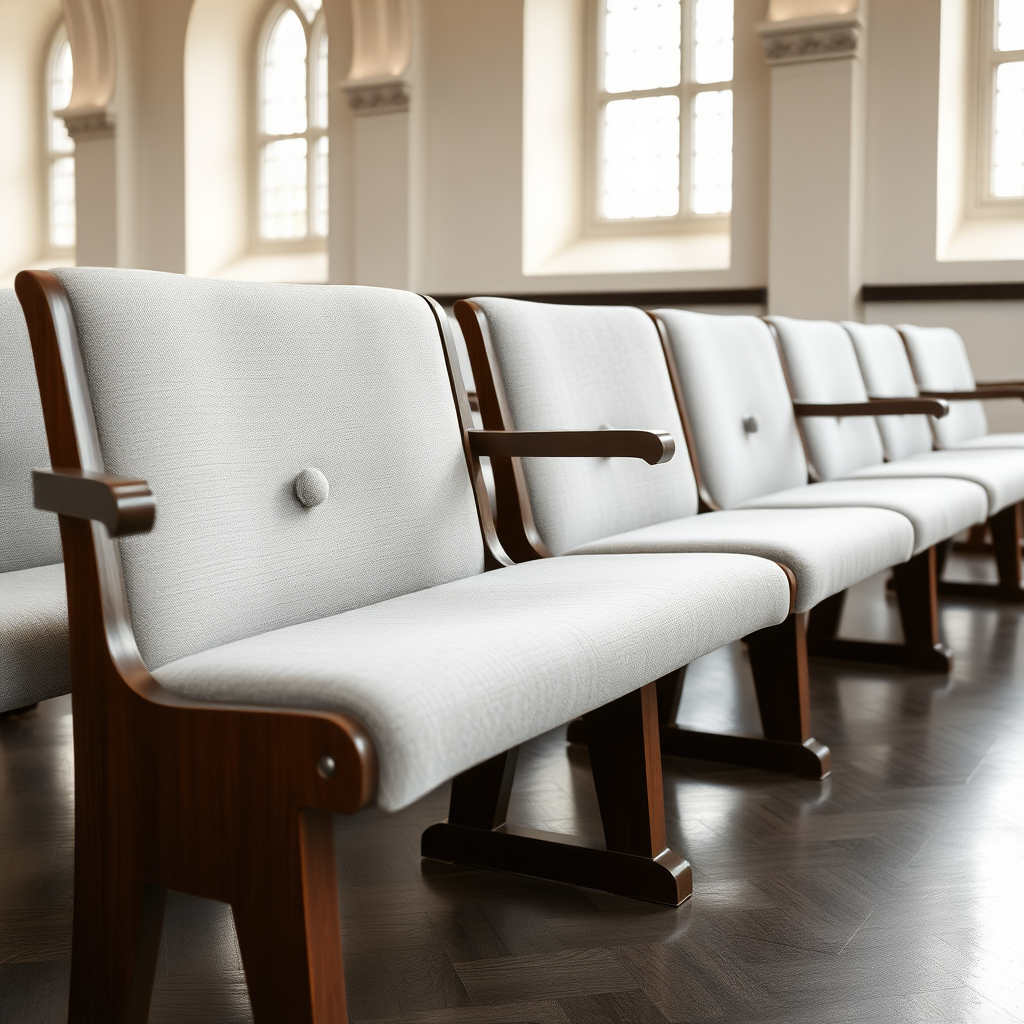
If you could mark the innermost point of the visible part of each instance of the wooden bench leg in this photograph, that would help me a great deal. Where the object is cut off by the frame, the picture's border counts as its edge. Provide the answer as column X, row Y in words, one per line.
column 778, row 658
column 1005, row 527
column 289, row 926
column 633, row 861
column 116, row 931
column 916, row 586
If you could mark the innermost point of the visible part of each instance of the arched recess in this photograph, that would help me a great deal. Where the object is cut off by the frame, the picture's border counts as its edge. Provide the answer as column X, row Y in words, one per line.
column 91, row 31
column 219, row 45
column 381, row 39
column 220, row 106
column 24, row 47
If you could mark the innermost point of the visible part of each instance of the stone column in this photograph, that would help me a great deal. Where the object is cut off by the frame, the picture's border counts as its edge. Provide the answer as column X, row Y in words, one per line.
column 95, row 186
column 816, row 218
column 380, row 181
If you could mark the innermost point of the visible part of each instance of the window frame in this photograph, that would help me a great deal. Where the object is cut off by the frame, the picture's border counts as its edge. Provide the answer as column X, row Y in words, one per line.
column 315, row 30
column 595, row 100
column 986, row 60
column 55, row 41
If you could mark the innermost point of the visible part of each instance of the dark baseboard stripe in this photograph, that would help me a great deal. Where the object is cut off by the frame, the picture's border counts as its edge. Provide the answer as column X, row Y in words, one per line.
column 942, row 292
column 706, row 297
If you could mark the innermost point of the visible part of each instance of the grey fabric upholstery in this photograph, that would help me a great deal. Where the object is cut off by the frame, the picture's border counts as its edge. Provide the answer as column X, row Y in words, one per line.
column 823, row 368
column 887, row 373
column 585, row 367
column 937, row 508
column 728, row 362
column 373, row 603
column 33, row 636
column 27, row 537
column 940, row 363
column 33, row 605
column 449, row 676
column 604, row 355
column 729, row 370
column 991, row 441
column 828, row 549
column 820, row 356
column 1000, row 472
column 218, row 393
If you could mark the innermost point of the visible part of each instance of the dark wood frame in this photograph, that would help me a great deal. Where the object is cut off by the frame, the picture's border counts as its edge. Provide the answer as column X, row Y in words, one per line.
column 977, row 292
column 234, row 802
column 778, row 653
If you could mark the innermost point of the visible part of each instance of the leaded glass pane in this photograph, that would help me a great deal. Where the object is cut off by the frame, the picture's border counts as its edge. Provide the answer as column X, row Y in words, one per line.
column 642, row 40
column 284, row 200
column 284, row 77
column 640, row 158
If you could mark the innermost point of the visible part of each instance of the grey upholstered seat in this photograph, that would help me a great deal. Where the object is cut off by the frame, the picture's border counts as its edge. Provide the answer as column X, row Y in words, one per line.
column 374, row 602
column 828, row 549
column 730, row 371
column 33, row 604
column 580, row 367
column 940, row 363
column 448, row 676
column 823, row 367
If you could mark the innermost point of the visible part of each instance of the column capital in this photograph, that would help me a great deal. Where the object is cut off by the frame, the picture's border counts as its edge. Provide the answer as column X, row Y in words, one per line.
column 88, row 124
column 800, row 40
column 377, row 96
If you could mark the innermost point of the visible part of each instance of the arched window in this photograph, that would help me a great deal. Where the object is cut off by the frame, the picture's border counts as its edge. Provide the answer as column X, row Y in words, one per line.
column 60, row 147
column 293, row 144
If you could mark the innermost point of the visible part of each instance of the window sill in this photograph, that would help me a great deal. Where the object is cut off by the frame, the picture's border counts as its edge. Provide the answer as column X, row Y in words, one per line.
column 286, row 267
column 985, row 239
column 638, row 254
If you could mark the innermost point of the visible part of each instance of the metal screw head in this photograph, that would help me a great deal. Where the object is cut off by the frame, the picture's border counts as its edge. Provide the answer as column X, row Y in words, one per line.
column 750, row 424
column 326, row 766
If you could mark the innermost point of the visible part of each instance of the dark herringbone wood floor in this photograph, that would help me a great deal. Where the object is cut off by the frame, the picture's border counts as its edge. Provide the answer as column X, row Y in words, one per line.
column 892, row 891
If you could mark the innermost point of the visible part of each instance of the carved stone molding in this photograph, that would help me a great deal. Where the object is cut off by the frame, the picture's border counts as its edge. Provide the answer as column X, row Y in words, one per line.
column 89, row 124
column 807, row 39
column 387, row 97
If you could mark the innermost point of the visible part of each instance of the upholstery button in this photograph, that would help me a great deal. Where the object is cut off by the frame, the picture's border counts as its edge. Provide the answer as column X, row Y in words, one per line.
column 311, row 488
column 750, row 424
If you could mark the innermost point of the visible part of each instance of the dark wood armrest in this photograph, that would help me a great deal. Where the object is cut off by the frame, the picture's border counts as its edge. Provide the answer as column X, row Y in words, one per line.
column 999, row 384
column 123, row 506
column 983, row 391
column 875, row 407
column 653, row 446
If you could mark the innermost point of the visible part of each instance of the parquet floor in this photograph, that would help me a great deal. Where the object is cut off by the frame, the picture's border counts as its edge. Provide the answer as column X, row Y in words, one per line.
column 893, row 891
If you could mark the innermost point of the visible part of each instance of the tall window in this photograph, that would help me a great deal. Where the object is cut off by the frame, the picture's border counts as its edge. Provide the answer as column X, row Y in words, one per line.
column 1003, row 97
column 293, row 144
column 60, row 147
column 664, row 109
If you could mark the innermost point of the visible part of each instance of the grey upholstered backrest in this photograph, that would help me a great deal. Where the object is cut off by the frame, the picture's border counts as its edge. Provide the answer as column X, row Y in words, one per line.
column 940, row 362
column 823, row 368
column 730, row 371
column 883, row 362
column 219, row 393
column 582, row 368
column 27, row 538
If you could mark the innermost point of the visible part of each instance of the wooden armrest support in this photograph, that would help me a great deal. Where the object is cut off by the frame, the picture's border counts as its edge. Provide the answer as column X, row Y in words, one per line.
column 983, row 391
column 653, row 446
column 875, row 407
column 123, row 506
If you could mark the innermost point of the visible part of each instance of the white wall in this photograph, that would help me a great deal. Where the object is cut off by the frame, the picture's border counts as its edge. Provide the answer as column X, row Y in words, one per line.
column 469, row 100
column 25, row 32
